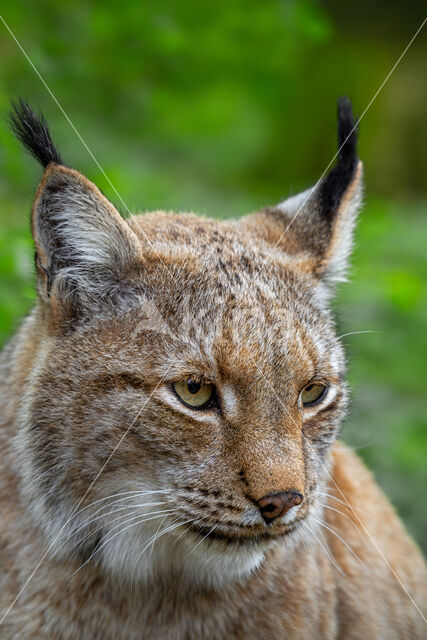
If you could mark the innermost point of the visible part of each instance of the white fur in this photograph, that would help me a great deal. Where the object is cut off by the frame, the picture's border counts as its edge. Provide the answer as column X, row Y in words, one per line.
column 304, row 205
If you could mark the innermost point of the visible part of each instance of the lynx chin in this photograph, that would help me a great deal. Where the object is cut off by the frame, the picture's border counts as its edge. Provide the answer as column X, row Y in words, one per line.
column 168, row 424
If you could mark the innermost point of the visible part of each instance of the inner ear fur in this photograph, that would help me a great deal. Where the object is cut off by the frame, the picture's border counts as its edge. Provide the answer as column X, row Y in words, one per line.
column 85, row 251
column 316, row 226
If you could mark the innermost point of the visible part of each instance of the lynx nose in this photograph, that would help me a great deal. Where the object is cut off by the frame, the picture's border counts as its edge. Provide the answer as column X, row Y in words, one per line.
column 277, row 504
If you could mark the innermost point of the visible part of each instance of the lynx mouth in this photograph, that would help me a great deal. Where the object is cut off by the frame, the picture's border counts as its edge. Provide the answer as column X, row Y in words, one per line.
column 258, row 537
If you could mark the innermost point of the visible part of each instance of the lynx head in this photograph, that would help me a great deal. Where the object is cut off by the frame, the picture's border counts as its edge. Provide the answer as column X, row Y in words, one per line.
column 186, row 382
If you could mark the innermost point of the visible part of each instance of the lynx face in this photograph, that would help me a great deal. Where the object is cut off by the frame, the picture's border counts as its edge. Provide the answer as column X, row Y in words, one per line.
column 187, row 381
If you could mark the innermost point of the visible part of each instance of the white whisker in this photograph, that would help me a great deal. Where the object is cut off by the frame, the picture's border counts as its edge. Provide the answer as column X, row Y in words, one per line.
column 200, row 542
column 344, row 515
column 92, row 518
column 323, row 524
column 140, row 520
column 158, row 529
column 355, row 333
column 123, row 493
column 324, row 548
column 158, row 535
column 344, row 504
column 116, row 509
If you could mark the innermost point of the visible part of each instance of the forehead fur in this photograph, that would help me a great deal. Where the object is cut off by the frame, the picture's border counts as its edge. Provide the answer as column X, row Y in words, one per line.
column 223, row 262
column 195, row 250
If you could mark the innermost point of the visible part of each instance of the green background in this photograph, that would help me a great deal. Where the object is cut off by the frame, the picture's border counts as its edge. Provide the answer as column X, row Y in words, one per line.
column 223, row 107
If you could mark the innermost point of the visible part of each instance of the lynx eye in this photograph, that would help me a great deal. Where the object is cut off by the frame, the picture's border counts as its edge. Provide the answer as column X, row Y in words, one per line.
column 313, row 393
column 197, row 395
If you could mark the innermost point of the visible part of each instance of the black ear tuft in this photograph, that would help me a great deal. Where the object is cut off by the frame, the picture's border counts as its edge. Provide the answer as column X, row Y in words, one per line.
column 338, row 179
column 32, row 130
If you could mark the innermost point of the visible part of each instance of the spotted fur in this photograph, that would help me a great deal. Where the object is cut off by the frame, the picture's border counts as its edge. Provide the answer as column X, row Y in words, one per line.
column 144, row 512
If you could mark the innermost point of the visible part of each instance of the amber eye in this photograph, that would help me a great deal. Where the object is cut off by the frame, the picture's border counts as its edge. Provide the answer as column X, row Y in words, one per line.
column 197, row 395
column 313, row 393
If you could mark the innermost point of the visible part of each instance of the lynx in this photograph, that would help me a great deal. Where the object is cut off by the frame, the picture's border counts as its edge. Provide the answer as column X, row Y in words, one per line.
column 169, row 415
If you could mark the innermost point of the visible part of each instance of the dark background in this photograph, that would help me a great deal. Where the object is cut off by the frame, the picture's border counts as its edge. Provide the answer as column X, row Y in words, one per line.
column 225, row 107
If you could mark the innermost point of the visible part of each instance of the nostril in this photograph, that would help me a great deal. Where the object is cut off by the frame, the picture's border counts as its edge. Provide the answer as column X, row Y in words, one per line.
column 269, row 508
column 277, row 504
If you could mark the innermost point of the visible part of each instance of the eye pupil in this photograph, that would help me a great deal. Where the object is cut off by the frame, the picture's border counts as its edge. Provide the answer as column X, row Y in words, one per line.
column 193, row 387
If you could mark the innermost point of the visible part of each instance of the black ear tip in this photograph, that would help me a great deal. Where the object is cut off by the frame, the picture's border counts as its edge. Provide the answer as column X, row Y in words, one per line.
column 347, row 129
column 22, row 117
column 32, row 131
column 345, row 110
column 339, row 177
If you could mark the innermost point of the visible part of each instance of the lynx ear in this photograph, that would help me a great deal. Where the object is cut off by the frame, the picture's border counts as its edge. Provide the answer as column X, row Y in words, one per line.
column 85, row 251
column 84, row 247
column 317, row 225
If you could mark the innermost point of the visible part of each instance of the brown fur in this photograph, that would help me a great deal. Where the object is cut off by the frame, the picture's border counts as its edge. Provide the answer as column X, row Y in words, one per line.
column 125, row 310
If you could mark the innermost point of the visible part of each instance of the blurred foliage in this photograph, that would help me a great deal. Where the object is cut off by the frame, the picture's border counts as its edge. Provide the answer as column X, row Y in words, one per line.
column 225, row 107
